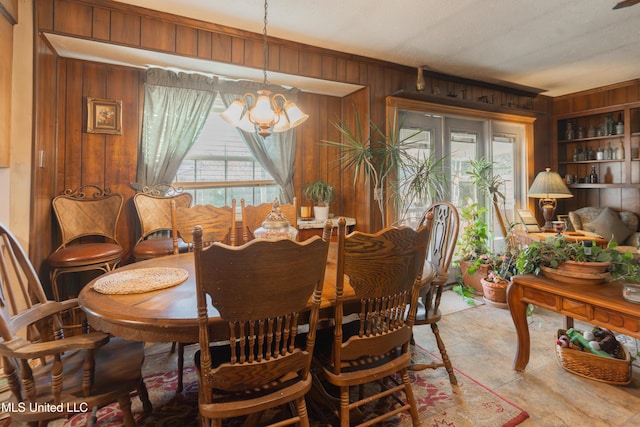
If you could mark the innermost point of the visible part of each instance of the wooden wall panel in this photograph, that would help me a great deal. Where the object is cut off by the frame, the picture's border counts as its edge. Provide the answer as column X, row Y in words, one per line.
column 221, row 45
column 44, row 180
column 6, row 47
column 81, row 15
column 204, row 44
column 125, row 28
column 157, row 35
column 186, row 41
column 101, row 24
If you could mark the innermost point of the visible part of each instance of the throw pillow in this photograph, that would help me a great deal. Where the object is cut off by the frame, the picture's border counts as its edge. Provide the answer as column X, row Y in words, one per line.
column 609, row 226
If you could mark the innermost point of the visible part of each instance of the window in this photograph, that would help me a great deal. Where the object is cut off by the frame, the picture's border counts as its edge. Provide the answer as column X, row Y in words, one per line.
column 220, row 167
column 459, row 139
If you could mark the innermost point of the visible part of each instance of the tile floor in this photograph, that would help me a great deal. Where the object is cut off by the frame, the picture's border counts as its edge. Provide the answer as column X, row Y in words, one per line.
column 481, row 343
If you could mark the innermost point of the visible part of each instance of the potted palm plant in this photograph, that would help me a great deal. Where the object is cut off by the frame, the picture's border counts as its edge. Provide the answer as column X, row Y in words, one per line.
column 320, row 193
column 381, row 157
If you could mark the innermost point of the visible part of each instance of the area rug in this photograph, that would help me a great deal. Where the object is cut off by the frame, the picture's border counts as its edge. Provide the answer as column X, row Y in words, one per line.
column 470, row 404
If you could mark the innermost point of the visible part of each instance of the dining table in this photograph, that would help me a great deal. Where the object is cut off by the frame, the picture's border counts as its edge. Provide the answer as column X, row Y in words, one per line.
column 170, row 314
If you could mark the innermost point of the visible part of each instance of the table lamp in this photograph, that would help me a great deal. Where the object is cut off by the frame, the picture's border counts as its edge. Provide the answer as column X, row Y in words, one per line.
column 548, row 186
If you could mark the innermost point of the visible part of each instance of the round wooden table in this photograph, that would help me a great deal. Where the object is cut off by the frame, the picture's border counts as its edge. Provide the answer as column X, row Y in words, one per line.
column 169, row 314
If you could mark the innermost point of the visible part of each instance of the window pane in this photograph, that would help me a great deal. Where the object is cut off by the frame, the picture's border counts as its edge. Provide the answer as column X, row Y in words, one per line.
column 221, row 156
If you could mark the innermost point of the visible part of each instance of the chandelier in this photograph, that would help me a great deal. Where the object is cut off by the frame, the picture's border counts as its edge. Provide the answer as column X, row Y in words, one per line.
column 264, row 112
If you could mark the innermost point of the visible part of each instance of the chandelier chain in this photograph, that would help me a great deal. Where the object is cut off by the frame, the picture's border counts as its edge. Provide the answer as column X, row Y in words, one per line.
column 265, row 46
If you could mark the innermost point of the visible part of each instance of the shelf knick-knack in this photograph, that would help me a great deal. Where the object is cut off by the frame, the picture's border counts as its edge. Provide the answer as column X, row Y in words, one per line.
column 620, row 151
column 569, row 132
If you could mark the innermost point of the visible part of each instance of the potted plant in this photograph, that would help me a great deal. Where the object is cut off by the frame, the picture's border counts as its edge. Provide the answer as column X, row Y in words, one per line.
column 557, row 253
column 472, row 251
column 320, row 193
column 381, row 158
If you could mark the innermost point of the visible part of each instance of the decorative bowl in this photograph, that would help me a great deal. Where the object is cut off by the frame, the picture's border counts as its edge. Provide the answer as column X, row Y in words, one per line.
column 574, row 277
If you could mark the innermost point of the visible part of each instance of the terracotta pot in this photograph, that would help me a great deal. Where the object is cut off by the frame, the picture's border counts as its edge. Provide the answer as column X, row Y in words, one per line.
column 495, row 291
column 474, row 280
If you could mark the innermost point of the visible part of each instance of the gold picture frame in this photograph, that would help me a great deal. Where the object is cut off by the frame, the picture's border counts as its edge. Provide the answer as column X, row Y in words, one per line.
column 104, row 116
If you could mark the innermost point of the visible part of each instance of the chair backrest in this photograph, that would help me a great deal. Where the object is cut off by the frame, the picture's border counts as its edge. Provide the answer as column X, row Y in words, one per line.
column 261, row 290
column 19, row 283
column 218, row 223
column 154, row 209
column 384, row 271
column 87, row 211
column 254, row 215
column 443, row 236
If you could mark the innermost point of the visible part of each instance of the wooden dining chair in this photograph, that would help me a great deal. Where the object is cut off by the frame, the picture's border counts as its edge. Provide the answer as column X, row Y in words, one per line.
column 88, row 218
column 218, row 225
column 442, row 243
column 263, row 290
column 153, row 206
column 384, row 271
column 46, row 365
column 254, row 215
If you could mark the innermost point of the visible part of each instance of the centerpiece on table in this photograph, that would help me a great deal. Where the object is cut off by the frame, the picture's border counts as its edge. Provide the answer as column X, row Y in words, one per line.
column 576, row 262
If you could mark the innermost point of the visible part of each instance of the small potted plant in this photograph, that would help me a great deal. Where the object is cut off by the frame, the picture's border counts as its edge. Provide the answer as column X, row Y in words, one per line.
column 320, row 194
column 472, row 251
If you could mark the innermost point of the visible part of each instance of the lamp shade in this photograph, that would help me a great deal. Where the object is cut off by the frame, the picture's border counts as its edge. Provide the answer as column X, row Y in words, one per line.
column 549, row 185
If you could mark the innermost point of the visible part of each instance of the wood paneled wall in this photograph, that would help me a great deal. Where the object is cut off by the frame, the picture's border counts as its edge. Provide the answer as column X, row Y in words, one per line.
column 110, row 160
column 8, row 18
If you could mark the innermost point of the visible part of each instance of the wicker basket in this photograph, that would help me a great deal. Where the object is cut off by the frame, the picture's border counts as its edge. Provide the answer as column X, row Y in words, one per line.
column 585, row 364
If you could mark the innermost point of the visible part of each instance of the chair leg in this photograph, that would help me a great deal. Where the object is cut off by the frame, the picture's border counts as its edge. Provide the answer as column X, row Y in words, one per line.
column 411, row 400
column 125, row 407
column 444, row 355
column 344, row 406
column 301, row 406
column 143, row 395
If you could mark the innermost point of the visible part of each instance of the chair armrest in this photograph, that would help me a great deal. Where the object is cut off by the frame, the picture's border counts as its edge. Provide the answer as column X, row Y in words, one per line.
column 23, row 349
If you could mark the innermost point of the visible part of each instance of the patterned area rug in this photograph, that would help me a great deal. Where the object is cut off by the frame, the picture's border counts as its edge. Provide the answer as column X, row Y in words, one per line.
column 469, row 404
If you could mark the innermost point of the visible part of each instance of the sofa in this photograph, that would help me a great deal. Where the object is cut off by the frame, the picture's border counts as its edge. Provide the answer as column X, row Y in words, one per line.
column 620, row 227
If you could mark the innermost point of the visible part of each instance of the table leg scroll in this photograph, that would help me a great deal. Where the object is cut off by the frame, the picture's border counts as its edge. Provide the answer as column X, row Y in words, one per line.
column 518, row 310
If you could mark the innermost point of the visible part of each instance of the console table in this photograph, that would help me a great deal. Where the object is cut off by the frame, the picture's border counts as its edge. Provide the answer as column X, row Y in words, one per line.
column 601, row 305
column 570, row 236
column 313, row 227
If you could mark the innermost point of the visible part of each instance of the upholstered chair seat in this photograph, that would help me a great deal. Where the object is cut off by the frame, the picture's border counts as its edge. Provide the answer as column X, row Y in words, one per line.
column 86, row 254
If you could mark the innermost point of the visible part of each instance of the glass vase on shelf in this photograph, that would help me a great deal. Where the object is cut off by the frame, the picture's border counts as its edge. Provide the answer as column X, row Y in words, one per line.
column 569, row 132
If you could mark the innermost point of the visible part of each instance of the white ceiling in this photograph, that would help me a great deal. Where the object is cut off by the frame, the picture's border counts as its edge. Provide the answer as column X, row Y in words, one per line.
column 558, row 47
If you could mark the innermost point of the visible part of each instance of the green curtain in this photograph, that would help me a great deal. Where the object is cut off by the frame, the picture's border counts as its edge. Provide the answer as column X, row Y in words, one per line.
column 176, row 107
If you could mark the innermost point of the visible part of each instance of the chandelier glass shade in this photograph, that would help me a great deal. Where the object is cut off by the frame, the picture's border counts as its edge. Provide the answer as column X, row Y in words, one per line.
column 264, row 112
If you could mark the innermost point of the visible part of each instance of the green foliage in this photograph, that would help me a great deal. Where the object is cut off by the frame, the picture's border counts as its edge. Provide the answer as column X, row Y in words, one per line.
column 466, row 292
column 554, row 250
column 319, row 192
column 485, row 180
column 473, row 242
column 378, row 157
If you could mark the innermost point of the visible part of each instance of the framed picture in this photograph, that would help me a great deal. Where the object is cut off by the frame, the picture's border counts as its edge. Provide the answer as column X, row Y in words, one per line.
column 528, row 221
column 104, row 116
